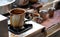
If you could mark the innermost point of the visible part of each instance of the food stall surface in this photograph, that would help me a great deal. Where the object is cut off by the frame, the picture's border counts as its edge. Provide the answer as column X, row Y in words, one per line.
column 36, row 30
column 52, row 24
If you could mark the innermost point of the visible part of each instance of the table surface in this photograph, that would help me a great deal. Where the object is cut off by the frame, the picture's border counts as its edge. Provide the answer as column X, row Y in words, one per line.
column 52, row 21
column 36, row 27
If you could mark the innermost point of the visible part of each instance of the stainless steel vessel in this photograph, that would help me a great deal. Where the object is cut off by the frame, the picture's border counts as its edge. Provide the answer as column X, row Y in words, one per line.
column 5, row 6
column 3, row 26
column 21, row 2
column 17, row 17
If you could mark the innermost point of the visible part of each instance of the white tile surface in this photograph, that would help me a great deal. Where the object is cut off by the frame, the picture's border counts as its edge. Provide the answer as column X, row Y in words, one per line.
column 2, row 17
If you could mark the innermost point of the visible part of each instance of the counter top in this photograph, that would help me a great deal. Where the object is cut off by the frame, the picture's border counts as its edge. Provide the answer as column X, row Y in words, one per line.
column 2, row 17
column 35, row 29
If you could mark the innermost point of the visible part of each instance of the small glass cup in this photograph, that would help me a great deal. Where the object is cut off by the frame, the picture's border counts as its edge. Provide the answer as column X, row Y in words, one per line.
column 44, row 14
column 51, row 12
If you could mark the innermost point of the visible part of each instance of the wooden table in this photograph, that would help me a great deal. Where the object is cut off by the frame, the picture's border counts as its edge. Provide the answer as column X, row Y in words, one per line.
column 52, row 24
